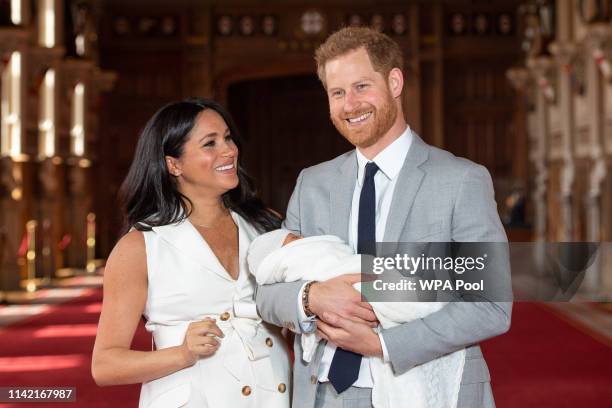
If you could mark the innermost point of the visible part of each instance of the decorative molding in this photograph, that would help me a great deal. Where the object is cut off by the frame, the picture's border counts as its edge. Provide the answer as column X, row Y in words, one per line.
column 519, row 78
column 599, row 41
column 313, row 23
column 247, row 26
column 543, row 71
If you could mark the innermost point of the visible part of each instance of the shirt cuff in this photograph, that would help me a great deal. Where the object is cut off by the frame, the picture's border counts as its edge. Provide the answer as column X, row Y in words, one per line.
column 307, row 324
column 384, row 348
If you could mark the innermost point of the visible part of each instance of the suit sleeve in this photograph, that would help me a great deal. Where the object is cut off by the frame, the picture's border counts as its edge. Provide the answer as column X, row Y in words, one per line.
column 459, row 324
column 277, row 303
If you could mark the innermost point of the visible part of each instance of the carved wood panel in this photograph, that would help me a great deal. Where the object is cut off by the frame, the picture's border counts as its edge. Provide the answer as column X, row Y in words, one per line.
column 478, row 105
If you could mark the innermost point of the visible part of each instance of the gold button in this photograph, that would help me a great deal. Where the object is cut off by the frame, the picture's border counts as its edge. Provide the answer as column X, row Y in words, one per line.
column 282, row 387
column 224, row 316
column 269, row 342
column 313, row 379
column 246, row 390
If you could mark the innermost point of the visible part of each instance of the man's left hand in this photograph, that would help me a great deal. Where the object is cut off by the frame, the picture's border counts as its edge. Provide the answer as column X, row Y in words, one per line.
column 349, row 335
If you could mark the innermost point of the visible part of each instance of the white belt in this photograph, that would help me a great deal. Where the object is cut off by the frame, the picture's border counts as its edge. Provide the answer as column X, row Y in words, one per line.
column 246, row 329
column 244, row 333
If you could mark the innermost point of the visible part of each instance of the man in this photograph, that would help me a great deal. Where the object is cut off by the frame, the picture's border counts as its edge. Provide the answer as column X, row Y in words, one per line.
column 393, row 187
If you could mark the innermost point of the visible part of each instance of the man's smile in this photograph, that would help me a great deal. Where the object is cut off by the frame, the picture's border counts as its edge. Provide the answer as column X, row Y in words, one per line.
column 359, row 119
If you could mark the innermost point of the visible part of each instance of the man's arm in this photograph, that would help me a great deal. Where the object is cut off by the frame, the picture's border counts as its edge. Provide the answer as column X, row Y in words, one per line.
column 459, row 324
column 278, row 303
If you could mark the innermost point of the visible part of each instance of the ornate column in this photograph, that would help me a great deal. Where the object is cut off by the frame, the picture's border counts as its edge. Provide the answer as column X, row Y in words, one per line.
column 599, row 46
column 541, row 69
column 565, row 54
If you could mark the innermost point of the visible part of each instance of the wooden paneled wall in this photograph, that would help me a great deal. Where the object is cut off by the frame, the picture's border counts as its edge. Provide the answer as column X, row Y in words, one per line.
column 257, row 58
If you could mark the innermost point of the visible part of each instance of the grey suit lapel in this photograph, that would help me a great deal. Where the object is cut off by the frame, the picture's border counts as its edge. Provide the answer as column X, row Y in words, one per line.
column 408, row 183
column 341, row 197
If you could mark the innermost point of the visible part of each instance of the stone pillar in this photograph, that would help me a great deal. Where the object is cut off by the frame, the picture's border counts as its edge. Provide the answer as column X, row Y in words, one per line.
column 541, row 68
column 598, row 43
column 565, row 54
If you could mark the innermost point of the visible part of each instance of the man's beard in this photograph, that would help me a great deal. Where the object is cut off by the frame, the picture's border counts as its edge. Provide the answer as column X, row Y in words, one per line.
column 381, row 121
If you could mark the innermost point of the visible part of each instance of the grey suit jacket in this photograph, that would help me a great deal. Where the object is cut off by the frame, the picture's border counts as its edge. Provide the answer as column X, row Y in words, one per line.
column 438, row 197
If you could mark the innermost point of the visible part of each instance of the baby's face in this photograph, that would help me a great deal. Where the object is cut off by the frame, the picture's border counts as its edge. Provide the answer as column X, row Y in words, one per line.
column 290, row 238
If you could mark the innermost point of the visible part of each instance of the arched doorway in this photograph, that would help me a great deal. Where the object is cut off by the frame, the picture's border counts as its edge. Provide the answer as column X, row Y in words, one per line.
column 286, row 127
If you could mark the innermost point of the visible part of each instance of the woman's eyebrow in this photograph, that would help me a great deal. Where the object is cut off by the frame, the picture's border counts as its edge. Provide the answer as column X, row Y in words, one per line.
column 213, row 134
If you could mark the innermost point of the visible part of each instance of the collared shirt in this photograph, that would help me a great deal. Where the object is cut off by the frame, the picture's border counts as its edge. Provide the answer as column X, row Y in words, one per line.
column 389, row 162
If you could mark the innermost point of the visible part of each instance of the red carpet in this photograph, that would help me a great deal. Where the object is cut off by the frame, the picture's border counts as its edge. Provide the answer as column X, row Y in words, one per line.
column 54, row 349
column 542, row 362
column 545, row 362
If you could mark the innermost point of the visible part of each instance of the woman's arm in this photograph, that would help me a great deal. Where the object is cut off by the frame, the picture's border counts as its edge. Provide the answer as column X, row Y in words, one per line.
column 125, row 295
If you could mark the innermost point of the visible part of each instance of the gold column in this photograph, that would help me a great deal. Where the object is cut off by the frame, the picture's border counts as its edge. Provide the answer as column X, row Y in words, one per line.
column 91, row 243
column 30, row 282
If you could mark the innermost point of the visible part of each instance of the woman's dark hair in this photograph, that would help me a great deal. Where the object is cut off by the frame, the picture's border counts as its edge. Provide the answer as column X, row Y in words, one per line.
column 149, row 193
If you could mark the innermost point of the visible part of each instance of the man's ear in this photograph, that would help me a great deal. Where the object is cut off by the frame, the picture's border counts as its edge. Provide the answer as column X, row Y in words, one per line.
column 396, row 82
column 174, row 167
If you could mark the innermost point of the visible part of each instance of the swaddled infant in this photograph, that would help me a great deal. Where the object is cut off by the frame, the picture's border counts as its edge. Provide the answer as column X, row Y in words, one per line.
column 280, row 256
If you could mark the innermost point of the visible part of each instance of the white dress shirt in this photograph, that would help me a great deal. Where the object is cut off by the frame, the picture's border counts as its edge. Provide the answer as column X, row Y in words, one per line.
column 389, row 162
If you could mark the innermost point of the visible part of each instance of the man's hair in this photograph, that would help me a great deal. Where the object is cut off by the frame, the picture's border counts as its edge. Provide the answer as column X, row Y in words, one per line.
column 384, row 53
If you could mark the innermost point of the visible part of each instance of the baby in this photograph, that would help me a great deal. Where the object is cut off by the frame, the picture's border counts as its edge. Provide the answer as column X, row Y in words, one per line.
column 280, row 256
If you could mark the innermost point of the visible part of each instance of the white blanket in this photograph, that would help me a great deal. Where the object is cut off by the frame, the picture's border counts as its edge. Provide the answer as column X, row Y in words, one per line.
column 434, row 384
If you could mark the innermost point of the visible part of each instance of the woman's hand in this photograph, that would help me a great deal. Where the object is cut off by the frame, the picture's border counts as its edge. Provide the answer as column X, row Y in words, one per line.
column 200, row 340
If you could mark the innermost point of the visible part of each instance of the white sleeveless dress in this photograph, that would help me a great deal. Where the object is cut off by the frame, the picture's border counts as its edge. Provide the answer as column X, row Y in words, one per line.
column 188, row 283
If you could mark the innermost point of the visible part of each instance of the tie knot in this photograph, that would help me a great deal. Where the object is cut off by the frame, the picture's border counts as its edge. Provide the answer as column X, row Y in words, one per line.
column 370, row 170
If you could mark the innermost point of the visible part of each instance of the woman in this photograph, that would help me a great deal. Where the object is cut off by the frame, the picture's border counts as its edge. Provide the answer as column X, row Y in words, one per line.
column 193, row 213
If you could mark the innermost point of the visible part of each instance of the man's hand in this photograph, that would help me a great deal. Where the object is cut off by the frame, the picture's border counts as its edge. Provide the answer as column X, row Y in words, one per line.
column 338, row 295
column 349, row 335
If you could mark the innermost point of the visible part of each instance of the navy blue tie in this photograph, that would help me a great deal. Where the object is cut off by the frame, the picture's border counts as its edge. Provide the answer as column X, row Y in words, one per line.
column 344, row 368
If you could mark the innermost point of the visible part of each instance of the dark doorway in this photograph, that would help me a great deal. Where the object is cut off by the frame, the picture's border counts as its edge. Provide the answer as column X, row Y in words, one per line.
column 286, row 127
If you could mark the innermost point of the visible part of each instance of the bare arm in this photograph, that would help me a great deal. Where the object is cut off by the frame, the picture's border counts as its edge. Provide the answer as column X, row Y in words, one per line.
column 125, row 295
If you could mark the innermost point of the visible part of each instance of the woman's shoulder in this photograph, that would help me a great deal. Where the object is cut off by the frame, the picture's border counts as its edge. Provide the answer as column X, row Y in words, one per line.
column 133, row 239
column 128, row 257
column 132, row 244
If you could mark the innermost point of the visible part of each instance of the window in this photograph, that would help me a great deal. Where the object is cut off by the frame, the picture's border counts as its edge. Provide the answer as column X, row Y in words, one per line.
column 10, row 129
column 16, row 12
column 77, row 132
column 46, row 122
column 46, row 23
